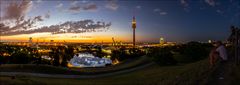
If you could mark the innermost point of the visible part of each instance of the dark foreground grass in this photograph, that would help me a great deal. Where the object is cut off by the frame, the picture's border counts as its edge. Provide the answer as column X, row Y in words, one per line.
column 235, row 75
column 153, row 75
column 48, row 69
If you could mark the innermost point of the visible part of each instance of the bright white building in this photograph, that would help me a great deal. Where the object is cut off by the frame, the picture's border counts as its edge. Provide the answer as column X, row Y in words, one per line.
column 88, row 60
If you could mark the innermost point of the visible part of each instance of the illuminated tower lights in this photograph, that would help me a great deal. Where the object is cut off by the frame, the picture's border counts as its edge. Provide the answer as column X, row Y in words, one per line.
column 161, row 41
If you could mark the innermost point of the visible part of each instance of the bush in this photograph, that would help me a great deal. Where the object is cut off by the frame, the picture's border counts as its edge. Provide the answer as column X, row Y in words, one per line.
column 119, row 54
column 191, row 52
column 163, row 56
column 20, row 58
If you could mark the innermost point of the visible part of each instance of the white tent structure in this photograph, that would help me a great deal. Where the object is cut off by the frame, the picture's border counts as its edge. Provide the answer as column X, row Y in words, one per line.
column 88, row 60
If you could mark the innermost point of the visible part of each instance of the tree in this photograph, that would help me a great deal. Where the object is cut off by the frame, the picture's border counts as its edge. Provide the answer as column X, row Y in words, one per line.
column 64, row 61
column 69, row 52
column 122, row 53
column 56, row 57
column 65, row 56
column 20, row 58
column 134, row 52
column 39, row 58
column 115, row 55
column 99, row 52
column 51, row 55
column 193, row 51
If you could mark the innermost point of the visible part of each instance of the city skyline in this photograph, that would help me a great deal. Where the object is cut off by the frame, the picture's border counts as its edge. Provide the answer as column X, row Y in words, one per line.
column 97, row 21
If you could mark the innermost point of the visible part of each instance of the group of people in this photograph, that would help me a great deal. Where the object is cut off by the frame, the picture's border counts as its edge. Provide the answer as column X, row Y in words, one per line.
column 218, row 52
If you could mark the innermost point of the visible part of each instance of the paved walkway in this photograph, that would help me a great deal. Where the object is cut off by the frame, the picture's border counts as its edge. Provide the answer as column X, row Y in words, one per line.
column 74, row 76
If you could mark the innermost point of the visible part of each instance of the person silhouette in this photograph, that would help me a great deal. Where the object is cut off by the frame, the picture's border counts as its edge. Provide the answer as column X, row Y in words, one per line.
column 213, row 55
column 222, row 51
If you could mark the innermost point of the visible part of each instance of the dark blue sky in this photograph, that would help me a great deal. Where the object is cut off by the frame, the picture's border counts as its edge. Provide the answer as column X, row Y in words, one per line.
column 198, row 20
column 175, row 20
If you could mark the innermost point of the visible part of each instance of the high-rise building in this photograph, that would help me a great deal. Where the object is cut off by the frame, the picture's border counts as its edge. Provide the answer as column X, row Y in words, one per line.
column 134, row 27
column 30, row 42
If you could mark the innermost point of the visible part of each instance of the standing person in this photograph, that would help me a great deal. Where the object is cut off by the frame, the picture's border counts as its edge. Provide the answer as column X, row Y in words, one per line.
column 223, row 58
column 222, row 51
column 213, row 56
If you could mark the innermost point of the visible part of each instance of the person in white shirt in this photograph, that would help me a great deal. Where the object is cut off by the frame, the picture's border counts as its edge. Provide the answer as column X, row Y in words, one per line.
column 222, row 51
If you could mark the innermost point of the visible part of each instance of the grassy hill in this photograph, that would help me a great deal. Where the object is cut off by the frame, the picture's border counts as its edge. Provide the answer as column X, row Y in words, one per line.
column 48, row 69
column 197, row 73
column 186, row 74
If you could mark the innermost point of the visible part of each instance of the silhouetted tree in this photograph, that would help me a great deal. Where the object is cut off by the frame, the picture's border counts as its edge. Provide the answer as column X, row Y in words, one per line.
column 192, row 51
column 20, row 58
column 56, row 57
column 69, row 52
column 64, row 61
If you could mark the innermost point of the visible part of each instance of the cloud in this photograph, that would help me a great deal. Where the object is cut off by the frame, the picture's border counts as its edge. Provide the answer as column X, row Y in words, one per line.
column 74, row 9
column 3, row 27
column 156, row 10
column 47, row 15
column 219, row 11
column 38, row 18
column 23, row 25
column 84, row 1
column 210, row 2
column 185, row 5
column 59, row 5
column 138, row 7
column 17, row 11
column 74, row 3
column 39, row 1
column 14, row 17
column 161, row 12
column 66, row 27
column 90, row 7
column 112, row 5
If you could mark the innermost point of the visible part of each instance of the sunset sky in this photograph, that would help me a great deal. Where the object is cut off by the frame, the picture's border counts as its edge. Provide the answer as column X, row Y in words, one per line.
column 100, row 20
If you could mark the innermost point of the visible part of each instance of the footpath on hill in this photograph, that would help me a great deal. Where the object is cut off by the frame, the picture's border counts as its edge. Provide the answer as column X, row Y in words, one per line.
column 75, row 76
column 222, row 74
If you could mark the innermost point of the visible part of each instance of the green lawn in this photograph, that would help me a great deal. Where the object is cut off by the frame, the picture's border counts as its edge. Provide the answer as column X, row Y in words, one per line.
column 169, row 75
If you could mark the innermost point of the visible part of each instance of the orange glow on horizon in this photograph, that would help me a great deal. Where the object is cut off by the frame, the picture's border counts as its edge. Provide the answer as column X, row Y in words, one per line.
column 68, row 37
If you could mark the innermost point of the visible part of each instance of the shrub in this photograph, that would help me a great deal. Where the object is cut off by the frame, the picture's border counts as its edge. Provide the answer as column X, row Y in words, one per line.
column 163, row 56
column 191, row 52
column 20, row 58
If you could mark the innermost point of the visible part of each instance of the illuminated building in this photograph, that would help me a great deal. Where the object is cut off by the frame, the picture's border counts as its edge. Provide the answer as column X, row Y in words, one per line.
column 134, row 27
column 88, row 60
column 209, row 41
column 161, row 41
